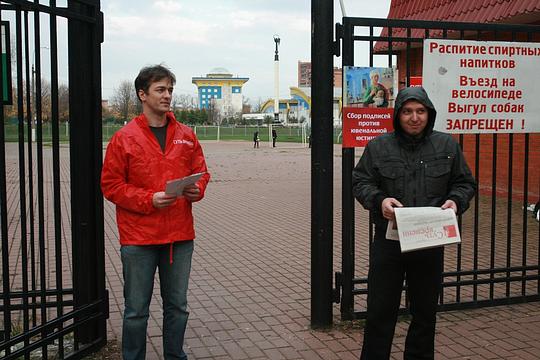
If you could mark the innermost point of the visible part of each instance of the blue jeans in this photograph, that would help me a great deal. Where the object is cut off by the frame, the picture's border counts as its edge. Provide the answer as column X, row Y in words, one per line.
column 139, row 267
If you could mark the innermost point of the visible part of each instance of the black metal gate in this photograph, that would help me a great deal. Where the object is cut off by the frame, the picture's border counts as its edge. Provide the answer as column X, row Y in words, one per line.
column 53, row 299
column 498, row 260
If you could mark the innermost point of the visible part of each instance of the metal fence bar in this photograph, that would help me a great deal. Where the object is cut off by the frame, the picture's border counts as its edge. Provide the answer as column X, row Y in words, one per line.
column 493, row 212
column 55, row 115
column 321, row 164
column 87, row 313
column 498, row 274
column 476, row 228
column 524, row 216
column 51, row 9
column 476, row 202
column 437, row 25
column 347, row 231
column 84, row 41
column 21, row 152
column 29, row 125
column 6, row 314
column 34, row 305
column 39, row 144
column 509, row 210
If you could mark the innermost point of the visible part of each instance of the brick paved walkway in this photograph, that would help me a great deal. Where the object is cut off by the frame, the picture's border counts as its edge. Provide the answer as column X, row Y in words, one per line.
column 249, row 292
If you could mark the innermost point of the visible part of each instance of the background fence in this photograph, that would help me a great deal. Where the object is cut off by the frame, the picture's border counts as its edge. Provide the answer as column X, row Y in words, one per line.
column 240, row 132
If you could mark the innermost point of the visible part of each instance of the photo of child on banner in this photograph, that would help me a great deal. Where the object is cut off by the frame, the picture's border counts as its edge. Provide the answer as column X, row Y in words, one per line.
column 368, row 94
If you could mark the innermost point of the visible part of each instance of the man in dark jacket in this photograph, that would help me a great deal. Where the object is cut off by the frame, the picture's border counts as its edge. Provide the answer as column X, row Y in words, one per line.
column 413, row 166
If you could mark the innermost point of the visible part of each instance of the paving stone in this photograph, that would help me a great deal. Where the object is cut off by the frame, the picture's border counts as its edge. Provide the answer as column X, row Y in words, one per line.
column 249, row 294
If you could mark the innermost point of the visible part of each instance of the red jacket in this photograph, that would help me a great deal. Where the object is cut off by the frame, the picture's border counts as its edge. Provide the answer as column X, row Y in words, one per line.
column 135, row 168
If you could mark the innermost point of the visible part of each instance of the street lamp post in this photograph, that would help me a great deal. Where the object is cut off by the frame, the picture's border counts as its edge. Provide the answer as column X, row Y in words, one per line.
column 276, row 88
column 276, row 79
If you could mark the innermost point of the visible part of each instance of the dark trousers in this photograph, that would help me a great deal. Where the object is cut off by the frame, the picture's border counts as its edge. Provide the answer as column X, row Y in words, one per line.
column 388, row 268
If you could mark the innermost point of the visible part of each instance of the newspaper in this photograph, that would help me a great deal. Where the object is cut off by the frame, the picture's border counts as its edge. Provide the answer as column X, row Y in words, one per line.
column 426, row 227
column 391, row 231
column 176, row 186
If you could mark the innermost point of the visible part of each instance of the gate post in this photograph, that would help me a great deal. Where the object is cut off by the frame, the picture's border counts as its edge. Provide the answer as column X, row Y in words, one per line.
column 84, row 40
column 347, row 232
column 322, row 155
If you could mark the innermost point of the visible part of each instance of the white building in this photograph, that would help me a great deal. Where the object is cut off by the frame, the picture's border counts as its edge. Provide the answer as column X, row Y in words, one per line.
column 221, row 91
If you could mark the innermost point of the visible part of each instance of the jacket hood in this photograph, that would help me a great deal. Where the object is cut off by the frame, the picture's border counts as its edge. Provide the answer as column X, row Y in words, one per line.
column 419, row 94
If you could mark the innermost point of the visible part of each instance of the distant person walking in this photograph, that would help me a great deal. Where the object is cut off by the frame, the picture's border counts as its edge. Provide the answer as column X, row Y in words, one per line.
column 274, row 137
column 256, row 140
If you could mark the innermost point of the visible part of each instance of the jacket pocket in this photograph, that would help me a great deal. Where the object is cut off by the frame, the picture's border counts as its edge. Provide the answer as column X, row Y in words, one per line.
column 437, row 176
column 392, row 180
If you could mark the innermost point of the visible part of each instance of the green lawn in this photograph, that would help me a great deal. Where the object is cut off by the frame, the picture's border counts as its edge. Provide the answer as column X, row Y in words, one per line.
column 285, row 134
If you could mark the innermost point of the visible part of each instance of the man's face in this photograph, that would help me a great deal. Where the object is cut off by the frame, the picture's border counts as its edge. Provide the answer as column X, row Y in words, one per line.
column 413, row 117
column 158, row 98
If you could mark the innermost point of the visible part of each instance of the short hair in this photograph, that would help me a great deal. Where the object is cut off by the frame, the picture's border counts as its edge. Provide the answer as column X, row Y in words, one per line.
column 151, row 74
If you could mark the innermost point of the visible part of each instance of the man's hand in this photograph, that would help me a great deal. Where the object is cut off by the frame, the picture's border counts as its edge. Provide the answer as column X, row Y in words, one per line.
column 450, row 204
column 387, row 208
column 161, row 200
column 192, row 192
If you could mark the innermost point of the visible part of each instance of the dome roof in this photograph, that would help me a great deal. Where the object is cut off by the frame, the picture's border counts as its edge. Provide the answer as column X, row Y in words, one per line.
column 220, row 71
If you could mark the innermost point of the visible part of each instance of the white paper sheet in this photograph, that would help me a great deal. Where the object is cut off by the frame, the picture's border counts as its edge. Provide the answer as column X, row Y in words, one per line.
column 391, row 231
column 176, row 186
column 426, row 227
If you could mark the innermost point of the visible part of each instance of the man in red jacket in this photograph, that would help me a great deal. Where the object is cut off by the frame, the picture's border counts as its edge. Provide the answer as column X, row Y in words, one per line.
column 156, row 229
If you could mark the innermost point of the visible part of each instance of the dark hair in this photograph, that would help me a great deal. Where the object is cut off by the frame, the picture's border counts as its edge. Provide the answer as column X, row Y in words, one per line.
column 151, row 74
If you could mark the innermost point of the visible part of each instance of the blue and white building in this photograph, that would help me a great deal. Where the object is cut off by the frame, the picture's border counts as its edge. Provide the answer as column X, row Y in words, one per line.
column 221, row 90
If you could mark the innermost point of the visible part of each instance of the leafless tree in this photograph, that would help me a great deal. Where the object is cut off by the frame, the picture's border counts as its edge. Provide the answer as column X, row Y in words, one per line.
column 138, row 105
column 124, row 100
column 256, row 105
column 63, row 102
column 246, row 105
column 45, row 98
column 183, row 102
column 214, row 117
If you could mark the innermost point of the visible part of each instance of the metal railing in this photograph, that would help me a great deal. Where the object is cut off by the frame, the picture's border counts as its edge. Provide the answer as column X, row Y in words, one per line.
column 53, row 297
column 498, row 259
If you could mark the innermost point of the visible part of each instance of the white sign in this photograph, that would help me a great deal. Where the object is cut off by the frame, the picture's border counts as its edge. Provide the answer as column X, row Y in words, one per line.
column 426, row 227
column 483, row 86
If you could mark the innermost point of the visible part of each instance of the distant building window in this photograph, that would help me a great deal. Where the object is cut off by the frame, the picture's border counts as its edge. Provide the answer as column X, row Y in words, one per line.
column 236, row 89
column 204, row 102
column 203, row 96
column 203, row 90
column 215, row 90
column 215, row 96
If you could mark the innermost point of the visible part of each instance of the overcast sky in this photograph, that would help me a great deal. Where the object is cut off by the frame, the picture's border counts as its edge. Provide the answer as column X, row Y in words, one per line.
column 194, row 36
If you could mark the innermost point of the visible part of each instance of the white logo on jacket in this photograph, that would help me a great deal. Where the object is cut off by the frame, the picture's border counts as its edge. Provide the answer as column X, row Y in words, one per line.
column 182, row 141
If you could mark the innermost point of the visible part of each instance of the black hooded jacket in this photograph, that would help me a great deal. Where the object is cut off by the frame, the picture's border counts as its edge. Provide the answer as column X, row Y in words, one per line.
column 420, row 171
